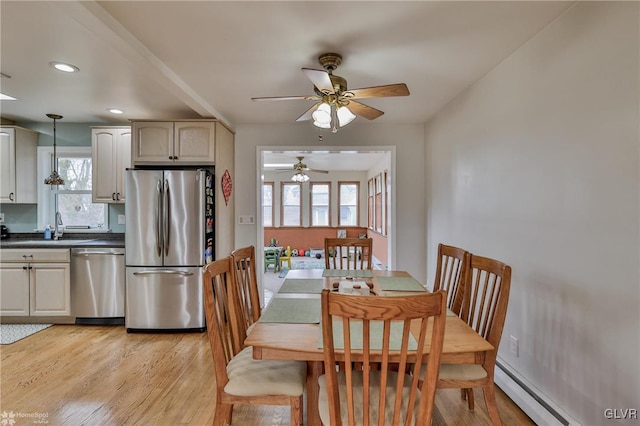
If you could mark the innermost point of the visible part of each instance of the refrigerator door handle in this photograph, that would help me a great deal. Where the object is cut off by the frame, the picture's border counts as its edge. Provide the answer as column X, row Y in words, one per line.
column 167, row 219
column 163, row 272
column 159, row 219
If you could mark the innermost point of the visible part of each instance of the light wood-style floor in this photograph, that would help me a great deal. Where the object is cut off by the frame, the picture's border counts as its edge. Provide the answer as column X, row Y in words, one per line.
column 100, row 375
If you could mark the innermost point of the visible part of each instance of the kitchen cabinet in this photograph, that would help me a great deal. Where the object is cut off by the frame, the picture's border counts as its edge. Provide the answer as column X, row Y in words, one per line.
column 18, row 165
column 175, row 142
column 35, row 282
column 111, row 156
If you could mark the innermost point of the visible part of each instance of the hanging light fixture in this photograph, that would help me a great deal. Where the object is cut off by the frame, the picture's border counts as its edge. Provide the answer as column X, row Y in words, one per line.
column 54, row 178
column 300, row 177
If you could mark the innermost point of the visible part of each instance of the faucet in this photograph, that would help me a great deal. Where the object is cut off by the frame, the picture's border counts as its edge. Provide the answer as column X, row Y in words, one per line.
column 58, row 232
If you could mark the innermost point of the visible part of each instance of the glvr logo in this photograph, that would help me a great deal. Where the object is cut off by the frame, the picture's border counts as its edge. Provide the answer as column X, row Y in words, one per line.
column 621, row 413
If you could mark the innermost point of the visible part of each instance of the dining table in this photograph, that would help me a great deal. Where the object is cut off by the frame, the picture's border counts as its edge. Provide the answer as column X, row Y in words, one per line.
column 289, row 327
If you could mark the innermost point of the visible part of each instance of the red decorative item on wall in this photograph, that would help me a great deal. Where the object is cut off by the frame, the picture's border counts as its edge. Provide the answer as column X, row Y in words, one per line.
column 227, row 185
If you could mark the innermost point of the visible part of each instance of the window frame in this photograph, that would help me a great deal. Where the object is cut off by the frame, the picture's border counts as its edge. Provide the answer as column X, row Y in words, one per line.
column 311, row 205
column 273, row 207
column 357, row 185
column 47, row 193
column 282, row 214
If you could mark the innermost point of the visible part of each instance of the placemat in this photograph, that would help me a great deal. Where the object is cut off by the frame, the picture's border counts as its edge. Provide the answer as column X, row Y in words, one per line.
column 357, row 273
column 302, row 285
column 375, row 333
column 400, row 284
column 292, row 310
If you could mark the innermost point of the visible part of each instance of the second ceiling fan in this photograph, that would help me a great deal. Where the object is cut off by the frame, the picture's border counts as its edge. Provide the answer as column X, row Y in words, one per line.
column 336, row 106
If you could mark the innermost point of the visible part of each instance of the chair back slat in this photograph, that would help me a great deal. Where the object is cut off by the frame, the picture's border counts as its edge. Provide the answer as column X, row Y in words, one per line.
column 245, row 292
column 395, row 396
column 488, row 285
column 348, row 253
column 218, row 279
column 451, row 268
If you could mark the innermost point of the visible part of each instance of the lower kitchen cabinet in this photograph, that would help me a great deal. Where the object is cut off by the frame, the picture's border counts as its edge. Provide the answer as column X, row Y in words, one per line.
column 35, row 282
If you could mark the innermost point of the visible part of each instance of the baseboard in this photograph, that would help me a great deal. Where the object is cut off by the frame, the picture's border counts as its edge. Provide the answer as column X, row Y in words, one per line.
column 377, row 264
column 542, row 410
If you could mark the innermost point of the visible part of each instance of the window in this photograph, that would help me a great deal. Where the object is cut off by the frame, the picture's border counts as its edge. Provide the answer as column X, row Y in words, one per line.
column 348, row 203
column 291, row 213
column 370, row 214
column 267, row 204
column 73, row 199
column 320, row 205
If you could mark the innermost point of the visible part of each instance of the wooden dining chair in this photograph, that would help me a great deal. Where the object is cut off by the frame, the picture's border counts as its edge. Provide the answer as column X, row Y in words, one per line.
column 240, row 379
column 348, row 253
column 244, row 263
column 452, row 265
column 374, row 330
column 485, row 308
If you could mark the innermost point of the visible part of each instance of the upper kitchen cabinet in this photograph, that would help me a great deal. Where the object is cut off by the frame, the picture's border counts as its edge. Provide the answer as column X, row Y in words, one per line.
column 174, row 143
column 18, row 165
column 111, row 156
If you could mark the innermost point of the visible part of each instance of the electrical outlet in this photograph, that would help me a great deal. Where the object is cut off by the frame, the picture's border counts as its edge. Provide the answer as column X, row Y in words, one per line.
column 121, row 219
column 1, row 217
column 515, row 349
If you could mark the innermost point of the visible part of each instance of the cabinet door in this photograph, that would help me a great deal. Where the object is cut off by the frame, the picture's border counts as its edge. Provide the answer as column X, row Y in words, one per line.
column 195, row 143
column 50, row 289
column 111, row 155
column 152, row 143
column 103, row 148
column 123, row 161
column 7, row 166
column 14, row 289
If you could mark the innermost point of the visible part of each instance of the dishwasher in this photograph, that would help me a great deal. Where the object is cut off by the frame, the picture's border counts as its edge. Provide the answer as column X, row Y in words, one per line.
column 97, row 285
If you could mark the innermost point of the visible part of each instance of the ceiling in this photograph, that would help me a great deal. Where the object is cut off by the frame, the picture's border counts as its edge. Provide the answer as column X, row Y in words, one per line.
column 207, row 59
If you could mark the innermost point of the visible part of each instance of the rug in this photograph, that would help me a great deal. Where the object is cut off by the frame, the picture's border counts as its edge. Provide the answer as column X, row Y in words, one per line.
column 307, row 264
column 10, row 333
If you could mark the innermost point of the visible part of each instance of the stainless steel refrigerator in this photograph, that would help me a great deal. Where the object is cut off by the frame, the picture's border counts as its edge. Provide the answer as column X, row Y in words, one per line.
column 168, row 240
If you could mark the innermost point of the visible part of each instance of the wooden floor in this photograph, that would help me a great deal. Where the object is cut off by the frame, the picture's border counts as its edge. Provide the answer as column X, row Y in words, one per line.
column 100, row 375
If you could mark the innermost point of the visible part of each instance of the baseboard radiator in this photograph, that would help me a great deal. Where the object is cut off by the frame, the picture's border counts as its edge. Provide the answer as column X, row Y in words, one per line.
column 377, row 264
column 534, row 403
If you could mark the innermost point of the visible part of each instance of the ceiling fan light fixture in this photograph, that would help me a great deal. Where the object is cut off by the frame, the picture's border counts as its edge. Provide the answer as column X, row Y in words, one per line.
column 322, row 115
column 300, row 177
column 345, row 116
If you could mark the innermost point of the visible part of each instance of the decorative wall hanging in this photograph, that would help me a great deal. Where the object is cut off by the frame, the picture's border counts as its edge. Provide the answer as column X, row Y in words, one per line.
column 227, row 186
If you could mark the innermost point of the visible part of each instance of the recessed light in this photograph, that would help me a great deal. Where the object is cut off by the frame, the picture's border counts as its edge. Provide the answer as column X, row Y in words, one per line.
column 4, row 97
column 115, row 111
column 61, row 66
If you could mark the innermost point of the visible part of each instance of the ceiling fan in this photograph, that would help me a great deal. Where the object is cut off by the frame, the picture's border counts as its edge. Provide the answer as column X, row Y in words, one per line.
column 336, row 105
column 299, row 170
column 301, row 167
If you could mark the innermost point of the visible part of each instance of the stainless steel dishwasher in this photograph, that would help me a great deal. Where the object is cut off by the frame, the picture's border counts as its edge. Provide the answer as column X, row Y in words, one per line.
column 97, row 285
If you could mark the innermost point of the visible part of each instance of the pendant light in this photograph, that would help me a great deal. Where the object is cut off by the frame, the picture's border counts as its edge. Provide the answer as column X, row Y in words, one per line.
column 54, row 178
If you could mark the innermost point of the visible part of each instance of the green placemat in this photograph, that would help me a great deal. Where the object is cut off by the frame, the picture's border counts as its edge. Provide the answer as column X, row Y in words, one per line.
column 292, row 310
column 375, row 333
column 356, row 273
column 302, row 285
column 450, row 313
column 400, row 284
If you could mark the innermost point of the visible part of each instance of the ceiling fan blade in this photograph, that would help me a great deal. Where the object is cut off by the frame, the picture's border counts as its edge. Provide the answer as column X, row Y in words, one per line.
column 307, row 114
column 320, row 79
column 399, row 89
column 364, row 110
column 317, row 171
column 287, row 98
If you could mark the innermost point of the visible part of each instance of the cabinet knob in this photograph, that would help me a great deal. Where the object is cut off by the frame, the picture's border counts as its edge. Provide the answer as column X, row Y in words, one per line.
column 175, row 157
column 11, row 197
column 24, row 267
column 171, row 157
column 113, row 196
column 117, row 196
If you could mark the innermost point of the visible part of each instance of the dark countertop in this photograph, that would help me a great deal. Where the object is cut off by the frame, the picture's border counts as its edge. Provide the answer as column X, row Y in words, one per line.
column 69, row 240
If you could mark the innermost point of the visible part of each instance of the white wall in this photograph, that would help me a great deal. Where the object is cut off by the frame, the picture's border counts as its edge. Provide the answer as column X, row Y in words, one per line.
column 407, row 142
column 537, row 165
